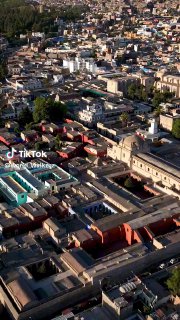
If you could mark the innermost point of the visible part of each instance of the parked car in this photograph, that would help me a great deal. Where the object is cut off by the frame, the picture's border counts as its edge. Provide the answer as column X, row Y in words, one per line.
column 172, row 261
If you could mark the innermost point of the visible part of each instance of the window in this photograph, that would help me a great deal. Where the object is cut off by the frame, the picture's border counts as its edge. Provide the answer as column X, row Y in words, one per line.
column 156, row 173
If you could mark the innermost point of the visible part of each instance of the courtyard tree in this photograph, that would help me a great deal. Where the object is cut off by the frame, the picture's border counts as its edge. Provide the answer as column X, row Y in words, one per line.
column 173, row 282
column 25, row 117
column 129, row 183
column 176, row 128
column 124, row 118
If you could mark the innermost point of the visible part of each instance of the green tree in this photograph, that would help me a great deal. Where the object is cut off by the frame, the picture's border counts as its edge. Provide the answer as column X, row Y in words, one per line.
column 131, row 91
column 129, row 183
column 144, row 95
column 94, row 54
column 17, row 130
column 168, row 95
column 151, row 91
column 47, row 109
column 46, row 82
column 176, row 128
column 38, row 146
column 18, row 16
column 41, row 110
column 41, row 145
column 124, row 118
column 72, row 13
column 160, row 97
column 157, row 99
column 158, row 111
column 56, row 110
column 58, row 142
column 147, row 309
column 141, row 93
column 29, row 126
column 3, row 69
column 137, row 92
column 173, row 282
column 25, row 117
column 42, row 268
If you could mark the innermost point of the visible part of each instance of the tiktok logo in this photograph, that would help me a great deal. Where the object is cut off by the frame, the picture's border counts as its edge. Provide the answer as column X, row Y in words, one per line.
column 10, row 154
column 26, row 154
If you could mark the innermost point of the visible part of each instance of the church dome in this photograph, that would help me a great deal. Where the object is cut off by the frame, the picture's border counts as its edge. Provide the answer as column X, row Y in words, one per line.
column 133, row 141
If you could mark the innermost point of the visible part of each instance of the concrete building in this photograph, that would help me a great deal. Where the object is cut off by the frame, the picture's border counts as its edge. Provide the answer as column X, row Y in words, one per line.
column 120, row 301
column 120, row 85
column 79, row 64
column 115, row 300
column 141, row 108
column 25, row 83
column 18, row 187
column 23, row 185
column 166, row 121
column 55, row 179
column 152, row 134
column 15, row 107
column 91, row 115
column 168, row 82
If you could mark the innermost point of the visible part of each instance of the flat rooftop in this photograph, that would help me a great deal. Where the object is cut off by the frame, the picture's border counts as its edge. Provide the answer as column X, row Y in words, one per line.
column 116, row 260
column 31, row 179
column 77, row 259
column 153, row 217
column 57, row 174
column 110, row 190
column 98, row 313
column 169, row 152
column 12, row 184
column 169, row 238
